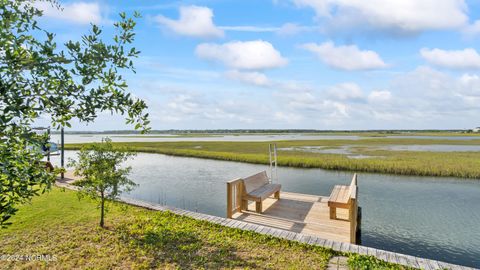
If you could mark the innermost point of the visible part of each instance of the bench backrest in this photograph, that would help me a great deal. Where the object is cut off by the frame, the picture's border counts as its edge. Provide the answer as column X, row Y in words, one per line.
column 255, row 181
column 345, row 194
column 353, row 188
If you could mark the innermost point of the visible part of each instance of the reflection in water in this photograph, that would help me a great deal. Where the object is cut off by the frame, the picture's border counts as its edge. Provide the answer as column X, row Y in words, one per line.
column 429, row 217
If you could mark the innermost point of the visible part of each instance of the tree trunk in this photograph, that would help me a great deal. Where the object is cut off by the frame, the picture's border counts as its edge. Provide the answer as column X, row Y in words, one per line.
column 102, row 207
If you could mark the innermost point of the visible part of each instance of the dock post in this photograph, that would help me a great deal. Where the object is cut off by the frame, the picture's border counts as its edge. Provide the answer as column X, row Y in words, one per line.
column 229, row 201
column 353, row 211
column 62, row 153
column 48, row 153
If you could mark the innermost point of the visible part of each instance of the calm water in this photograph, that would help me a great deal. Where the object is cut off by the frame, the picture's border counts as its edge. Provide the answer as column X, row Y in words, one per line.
column 433, row 148
column 83, row 138
column 435, row 218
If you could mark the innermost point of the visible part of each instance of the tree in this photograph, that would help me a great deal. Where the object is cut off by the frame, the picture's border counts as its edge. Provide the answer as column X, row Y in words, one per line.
column 37, row 79
column 102, row 177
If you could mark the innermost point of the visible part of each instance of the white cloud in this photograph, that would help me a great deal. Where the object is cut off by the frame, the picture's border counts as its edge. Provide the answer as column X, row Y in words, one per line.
column 255, row 78
column 345, row 57
column 346, row 91
column 379, row 97
column 433, row 95
column 404, row 16
column 460, row 59
column 249, row 28
column 75, row 12
column 288, row 117
column 425, row 84
column 473, row 29
column 254, row 55
column 194, row 21
column 286, row 29
column 183, row 104
column 470, row 85
column 289, row 29
column 340, row 110
column 421, row 98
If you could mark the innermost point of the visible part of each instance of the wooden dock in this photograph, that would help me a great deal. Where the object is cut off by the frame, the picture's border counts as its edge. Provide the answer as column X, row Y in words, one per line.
column 300, row 213
column 69, row 179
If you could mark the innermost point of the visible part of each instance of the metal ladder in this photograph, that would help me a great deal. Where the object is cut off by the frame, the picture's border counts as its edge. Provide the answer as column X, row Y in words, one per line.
column 272, row 149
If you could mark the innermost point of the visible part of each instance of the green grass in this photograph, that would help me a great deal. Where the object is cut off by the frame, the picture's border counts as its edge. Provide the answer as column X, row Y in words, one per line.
column 60, row 225
column 453, row 164
column 356, row 261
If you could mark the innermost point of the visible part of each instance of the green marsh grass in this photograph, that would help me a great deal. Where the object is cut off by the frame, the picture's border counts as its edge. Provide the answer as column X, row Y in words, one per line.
column 445, row 164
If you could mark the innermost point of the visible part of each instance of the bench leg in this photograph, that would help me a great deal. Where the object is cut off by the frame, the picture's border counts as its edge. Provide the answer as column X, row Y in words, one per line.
column 258, row 207
column 244, row 205
column 277, row 195
column 351, row 217
column 333, row 213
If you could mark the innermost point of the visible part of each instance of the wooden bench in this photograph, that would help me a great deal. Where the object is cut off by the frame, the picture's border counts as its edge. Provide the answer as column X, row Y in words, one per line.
column 344, row 197
column 257, row 188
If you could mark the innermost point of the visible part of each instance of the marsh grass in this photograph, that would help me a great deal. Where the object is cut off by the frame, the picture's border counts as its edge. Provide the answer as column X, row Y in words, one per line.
column 448, row 164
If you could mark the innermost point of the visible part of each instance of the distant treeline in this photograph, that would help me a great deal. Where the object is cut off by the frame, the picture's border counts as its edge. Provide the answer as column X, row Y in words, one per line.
column 255, row 131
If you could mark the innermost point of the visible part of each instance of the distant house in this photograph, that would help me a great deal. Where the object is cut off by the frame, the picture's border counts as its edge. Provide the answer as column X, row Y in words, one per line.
column 477, row 129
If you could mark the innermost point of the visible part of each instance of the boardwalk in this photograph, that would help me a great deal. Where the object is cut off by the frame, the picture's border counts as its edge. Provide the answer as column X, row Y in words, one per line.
column 300, row 213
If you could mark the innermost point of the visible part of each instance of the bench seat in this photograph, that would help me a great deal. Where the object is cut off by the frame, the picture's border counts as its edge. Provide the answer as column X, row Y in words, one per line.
column 263, row 192
column 257, row 188
column 343, row 197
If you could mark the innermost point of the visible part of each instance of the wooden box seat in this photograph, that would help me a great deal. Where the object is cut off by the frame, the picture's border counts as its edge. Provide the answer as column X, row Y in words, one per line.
column 343, row 197
column 257, row 188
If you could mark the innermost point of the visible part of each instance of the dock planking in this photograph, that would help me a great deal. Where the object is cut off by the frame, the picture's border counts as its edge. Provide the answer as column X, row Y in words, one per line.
column 300, row 213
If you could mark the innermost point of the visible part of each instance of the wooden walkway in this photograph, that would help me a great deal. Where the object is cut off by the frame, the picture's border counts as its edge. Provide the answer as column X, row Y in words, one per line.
column 300, row 213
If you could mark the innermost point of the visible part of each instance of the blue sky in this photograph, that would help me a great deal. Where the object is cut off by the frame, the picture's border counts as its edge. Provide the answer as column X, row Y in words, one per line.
column 320, row 64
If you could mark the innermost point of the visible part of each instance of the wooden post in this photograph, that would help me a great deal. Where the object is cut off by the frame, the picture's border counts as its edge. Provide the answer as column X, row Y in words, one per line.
column 239, row 199
column 258, row 207
column 353, row 210
column 353, row 221
column 229, row 200
column 48, row 153
column 333, row 212
column 62, row 152
column 244, row 205
column 234, row 197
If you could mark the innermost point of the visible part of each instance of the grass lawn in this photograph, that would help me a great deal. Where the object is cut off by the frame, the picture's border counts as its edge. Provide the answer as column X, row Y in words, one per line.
column 454, row 164
column 58, row 224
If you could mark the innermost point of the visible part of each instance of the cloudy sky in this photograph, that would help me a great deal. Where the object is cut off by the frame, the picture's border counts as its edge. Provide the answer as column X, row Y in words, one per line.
column 320, row 64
